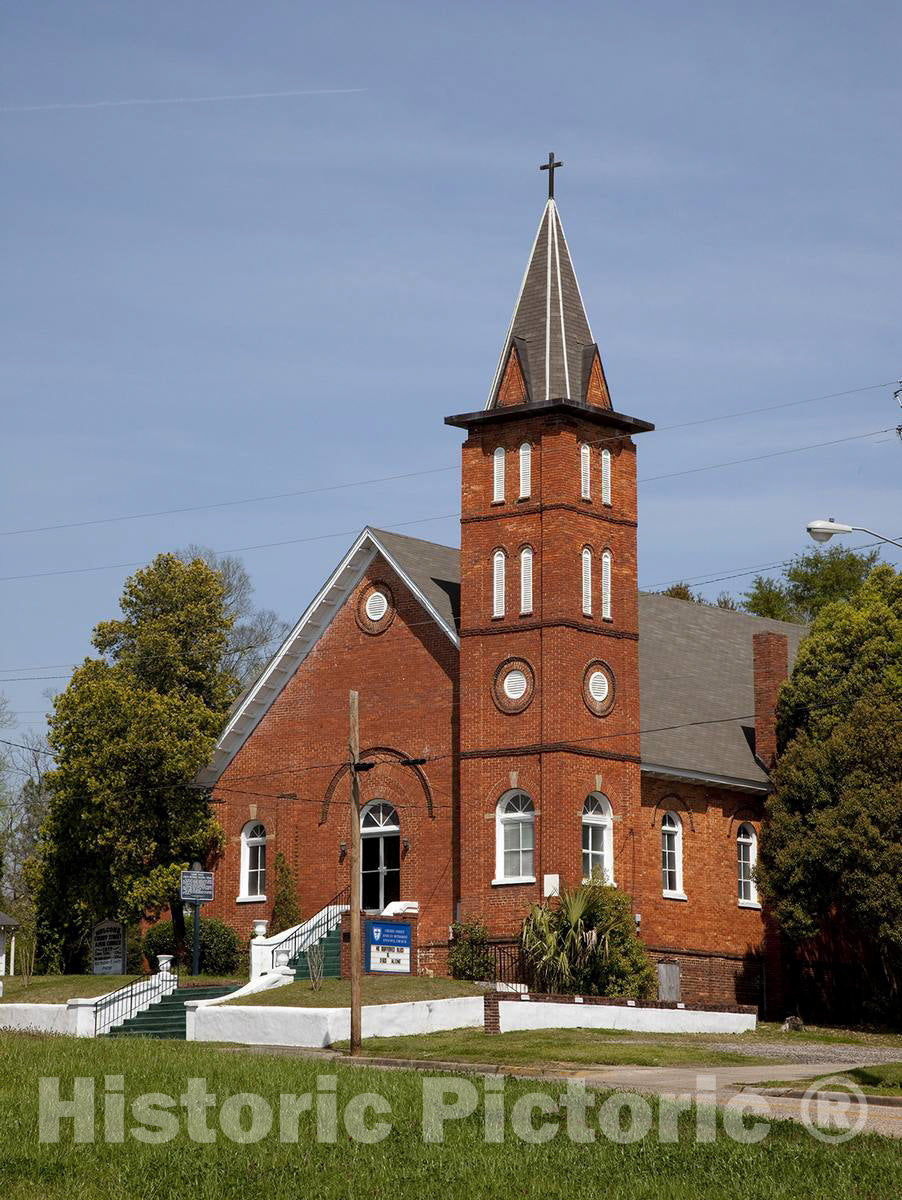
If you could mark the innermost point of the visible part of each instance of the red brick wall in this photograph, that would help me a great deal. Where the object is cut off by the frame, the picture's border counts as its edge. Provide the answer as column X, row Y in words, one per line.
column 771, row 668
column 407, row 680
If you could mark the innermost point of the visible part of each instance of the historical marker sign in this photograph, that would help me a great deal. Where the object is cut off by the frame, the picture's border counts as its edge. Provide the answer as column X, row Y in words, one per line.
column 388, row 945
column 197, row 886
column 108, row 948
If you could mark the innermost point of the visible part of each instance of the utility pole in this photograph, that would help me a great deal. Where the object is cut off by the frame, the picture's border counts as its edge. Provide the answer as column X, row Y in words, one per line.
column 354, row 745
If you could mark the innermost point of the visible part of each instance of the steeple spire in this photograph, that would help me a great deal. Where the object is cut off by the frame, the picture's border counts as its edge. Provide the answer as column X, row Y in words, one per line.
column 549, row 352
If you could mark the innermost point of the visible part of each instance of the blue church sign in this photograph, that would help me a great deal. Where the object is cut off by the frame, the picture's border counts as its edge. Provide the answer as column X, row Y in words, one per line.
column 388, row 945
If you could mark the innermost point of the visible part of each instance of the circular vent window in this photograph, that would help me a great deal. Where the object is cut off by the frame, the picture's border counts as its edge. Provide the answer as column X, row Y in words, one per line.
column 515, row 685
column 376, row 606
column 599, row 686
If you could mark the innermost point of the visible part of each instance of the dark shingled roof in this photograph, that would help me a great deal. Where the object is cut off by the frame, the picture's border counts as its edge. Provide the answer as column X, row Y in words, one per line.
column 8, row 922
column 549, row 326
column 695, row 664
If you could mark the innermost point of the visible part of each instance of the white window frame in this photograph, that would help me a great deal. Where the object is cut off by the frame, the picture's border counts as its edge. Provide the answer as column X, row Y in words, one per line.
column 585, row 559
column 746, row 836
column 525, row 471
column 585, row 471
column 526, row 558
column 607, row 571
column 594, row 819
column 606, row 476
column 499, row 573
column 498, row 476
column 250, row 844
column 672, row 828
column 505, row 819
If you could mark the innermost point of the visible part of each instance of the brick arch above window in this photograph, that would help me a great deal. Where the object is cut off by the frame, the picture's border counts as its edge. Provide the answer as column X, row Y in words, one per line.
column 381, row 754
column 743, row 815
column 672, row 803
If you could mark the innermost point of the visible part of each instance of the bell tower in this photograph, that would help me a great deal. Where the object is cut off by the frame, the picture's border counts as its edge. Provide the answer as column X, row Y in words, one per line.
column 549, row 637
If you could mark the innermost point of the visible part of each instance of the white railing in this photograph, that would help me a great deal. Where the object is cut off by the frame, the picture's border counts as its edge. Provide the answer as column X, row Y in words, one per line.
column 135, row 997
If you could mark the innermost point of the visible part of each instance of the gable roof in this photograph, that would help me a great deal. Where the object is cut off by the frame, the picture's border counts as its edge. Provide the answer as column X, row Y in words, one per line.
column 695, row 665
column 549, row 334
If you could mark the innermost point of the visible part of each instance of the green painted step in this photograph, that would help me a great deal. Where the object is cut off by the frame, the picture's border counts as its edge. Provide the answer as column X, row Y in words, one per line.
column 166, row 1018
column 331, row 944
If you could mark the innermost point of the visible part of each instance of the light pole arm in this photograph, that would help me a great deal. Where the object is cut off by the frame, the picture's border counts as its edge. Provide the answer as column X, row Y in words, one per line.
column 879, row 536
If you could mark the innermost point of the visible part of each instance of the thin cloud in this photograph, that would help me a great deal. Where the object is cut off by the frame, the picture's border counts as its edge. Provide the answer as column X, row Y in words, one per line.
column 136, row 103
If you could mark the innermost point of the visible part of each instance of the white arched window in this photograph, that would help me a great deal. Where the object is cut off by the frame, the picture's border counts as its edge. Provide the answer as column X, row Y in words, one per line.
column 585, row 472
column 606, row 477
column 515, row 820
column 606, row 585
column 526, row 579
column 672, row 856
column 598, row 850
column 253, row 861
column 525, row 471
column 587, row 581
column 498, row 565
column 746, row 858
column 498, row 475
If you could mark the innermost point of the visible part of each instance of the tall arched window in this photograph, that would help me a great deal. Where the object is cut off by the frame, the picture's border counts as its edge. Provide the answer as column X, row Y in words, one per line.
column 598, row 851
column 380, row 856
column 515, row 820
column 746, row 858
column 498, row 565
column 498, row 474
column 606, row 564
column 525, row 471
column 585, row 472
column 526, row 579
column 253, row 861
column 672, row 856
column 587, row 581
column 606, row 477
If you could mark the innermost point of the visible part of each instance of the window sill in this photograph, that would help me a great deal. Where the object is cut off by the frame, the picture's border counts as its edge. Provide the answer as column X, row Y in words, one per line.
column 517, row 879
column 749, row 904
column 523, row 499
column 674, row 895
column 497, row 503
column 250, row 899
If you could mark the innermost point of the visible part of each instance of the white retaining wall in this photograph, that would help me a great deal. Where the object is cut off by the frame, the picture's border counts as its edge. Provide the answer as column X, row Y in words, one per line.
column 533, row 1013
column 272, row 1025
column 39, row 1018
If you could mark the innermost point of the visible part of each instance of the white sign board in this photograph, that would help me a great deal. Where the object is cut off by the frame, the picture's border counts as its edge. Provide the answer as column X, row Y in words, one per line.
column 108, row 948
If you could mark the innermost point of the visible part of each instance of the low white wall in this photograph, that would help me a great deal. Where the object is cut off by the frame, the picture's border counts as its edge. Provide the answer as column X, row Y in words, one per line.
column 538, row 1014
column 272, row 1025
column 41, row 1018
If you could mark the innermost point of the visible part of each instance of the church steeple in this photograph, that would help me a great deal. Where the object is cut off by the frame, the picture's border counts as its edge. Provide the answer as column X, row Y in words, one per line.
column 549, row 352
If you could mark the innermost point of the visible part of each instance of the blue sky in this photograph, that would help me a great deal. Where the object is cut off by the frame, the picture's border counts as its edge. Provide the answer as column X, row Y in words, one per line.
column 206, row 301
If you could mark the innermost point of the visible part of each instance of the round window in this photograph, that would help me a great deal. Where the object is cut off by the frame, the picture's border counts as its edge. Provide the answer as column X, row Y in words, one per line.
column 376, row 606
column 599, row 686
column 515, row 685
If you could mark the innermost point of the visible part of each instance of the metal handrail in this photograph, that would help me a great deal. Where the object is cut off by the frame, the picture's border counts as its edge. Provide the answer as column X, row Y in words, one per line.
column 312, row 930
column 116, row 1007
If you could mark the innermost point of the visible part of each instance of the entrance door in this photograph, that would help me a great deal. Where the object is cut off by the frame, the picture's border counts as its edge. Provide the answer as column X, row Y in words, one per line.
column 380, row 856
column 669, row 982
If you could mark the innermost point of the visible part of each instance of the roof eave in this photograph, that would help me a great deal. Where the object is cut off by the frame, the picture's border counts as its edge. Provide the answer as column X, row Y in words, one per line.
column 517, row 412
column 685, row 775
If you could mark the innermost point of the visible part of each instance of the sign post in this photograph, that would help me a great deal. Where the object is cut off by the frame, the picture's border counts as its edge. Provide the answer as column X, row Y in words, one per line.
column 197, row 889
column 354, row 747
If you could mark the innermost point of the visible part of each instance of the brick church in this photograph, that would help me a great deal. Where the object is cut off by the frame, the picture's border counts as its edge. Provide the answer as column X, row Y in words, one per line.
column 532, row 719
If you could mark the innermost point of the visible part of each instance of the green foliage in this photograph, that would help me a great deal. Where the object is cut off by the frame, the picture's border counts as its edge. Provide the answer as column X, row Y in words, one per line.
column 469, row 956
column 220, row 945
column 285, row 910
column 682, row 591
column 130, row 732
column 585, row 942
column 810, row 582
column 830, row 862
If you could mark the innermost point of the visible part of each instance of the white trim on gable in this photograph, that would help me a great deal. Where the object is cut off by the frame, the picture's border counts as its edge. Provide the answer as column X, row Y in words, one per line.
column 300, row 641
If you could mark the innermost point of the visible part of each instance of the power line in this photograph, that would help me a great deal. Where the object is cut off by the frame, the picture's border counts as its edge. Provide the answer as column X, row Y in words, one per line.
column 165, row 512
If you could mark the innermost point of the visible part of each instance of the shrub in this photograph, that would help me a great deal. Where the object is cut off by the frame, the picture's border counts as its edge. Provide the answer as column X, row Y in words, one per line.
column 469, row 956
column 585, row 942
column 220, row 945
column 285, row 911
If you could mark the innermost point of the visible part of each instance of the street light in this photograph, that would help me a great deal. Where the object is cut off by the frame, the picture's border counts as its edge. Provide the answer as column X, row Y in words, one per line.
column 823, row 531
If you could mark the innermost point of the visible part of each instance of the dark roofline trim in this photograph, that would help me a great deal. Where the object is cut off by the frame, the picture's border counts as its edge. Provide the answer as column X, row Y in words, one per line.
column 517, row 412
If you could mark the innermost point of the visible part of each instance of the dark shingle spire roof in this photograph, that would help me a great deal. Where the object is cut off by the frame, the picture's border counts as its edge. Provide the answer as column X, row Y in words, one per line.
column 549, row 334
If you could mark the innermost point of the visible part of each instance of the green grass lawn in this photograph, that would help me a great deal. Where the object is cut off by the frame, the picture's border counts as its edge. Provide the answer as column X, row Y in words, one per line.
column 375, row 989
column 543, row 1047
column 57, row 989
column 788, row 1164
column 885, row 1079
